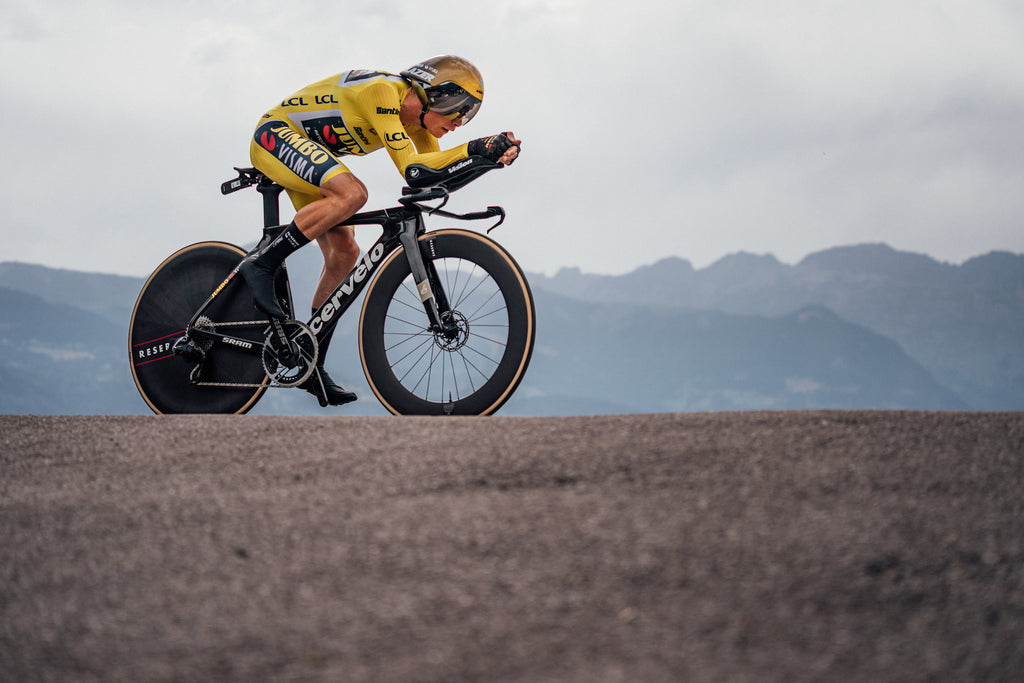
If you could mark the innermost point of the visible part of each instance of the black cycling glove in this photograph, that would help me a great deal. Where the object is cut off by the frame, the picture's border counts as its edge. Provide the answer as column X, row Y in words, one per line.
column 490, row 148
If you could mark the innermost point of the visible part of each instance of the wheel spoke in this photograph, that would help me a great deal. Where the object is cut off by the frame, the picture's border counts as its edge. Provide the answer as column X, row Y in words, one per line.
column 430, row 363
column 460, row 364
column 415, row 363
column 473, row 291
column 470, row 363
column 469, row 279
column 408, row 338
column 426, row 343
column 411, row 307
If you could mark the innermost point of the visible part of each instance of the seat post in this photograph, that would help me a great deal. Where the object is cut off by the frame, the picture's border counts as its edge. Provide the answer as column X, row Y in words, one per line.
column 271, row 192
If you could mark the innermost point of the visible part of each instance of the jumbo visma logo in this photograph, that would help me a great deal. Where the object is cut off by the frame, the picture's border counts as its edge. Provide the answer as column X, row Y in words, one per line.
column 302, row 156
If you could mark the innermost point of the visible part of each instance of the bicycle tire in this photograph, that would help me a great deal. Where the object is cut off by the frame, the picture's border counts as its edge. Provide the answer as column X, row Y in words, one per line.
column 166, row 304
column 411, row 370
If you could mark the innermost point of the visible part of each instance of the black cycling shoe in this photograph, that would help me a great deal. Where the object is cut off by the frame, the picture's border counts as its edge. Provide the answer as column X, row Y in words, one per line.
column 260, row 279
column 326, row 391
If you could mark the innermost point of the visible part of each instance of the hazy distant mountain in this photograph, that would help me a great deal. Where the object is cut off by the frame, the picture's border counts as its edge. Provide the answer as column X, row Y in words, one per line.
column 644, row 359
column 963, row 323
column 111, row 296
column 56, row 358
column 854, row 327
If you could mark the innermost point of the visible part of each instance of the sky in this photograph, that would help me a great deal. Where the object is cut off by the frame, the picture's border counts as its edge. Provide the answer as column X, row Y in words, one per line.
column 653, row 128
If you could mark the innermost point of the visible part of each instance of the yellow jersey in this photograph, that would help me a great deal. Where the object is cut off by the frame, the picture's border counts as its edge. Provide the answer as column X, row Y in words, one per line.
column 300, row 141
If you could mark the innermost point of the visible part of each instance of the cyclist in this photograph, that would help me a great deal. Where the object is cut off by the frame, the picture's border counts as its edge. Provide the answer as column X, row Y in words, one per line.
column 298, row 144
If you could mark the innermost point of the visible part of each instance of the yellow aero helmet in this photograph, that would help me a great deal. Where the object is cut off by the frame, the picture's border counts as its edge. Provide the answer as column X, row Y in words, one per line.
column 447, row 85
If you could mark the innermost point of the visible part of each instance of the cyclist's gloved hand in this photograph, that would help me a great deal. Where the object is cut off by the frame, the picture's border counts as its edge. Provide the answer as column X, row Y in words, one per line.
column 495, row 148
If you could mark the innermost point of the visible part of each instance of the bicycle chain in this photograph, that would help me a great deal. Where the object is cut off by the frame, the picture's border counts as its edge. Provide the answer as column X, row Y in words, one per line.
column 239, row 323
column 239, row 385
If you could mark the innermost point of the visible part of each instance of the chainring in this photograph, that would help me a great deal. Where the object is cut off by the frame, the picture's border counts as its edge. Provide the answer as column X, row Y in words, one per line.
column 302, row 337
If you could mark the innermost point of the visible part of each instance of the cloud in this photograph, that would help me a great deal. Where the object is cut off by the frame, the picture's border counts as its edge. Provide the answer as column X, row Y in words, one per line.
column 690, row 128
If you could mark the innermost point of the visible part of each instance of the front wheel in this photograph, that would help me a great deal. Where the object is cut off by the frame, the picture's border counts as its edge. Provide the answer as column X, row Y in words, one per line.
column 477, row 365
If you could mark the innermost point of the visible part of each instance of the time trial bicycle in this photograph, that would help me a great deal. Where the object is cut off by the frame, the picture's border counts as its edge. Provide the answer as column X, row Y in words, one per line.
column 447, row 325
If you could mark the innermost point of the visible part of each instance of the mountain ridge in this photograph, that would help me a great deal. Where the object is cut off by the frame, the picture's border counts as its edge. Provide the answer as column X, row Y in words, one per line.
column 964, row 323
column 955, row 334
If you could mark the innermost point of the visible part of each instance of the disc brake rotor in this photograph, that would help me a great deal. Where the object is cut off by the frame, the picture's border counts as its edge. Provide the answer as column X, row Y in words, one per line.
column 456, row 340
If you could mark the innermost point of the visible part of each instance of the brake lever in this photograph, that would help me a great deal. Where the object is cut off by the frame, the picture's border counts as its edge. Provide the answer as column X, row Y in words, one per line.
column 496, row 210
column 435, row 209
column 412, row 196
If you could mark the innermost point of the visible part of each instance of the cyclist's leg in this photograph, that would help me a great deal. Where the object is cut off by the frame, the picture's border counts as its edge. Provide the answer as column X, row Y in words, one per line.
column 306, row 170
column 323, row 190
column 338, row 246
column 340, row 252
column 339, row 198
column 323, row 195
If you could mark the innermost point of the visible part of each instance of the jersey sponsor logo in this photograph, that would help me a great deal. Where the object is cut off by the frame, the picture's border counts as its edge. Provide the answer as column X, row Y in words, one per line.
column 303, row 157
column 330, row 131
column 330, row 308
column 359, row 132
column 397, row 138
column 301, row 101
column 388, row 111
column 301, row 145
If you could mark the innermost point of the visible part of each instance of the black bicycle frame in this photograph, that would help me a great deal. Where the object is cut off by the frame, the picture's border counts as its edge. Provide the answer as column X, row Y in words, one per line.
column 401, row 227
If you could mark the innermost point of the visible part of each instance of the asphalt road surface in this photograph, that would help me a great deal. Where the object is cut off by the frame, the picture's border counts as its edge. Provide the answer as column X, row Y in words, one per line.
column 799, row 546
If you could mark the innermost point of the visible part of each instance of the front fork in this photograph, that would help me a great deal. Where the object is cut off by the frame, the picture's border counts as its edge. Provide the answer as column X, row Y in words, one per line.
column 435, row 302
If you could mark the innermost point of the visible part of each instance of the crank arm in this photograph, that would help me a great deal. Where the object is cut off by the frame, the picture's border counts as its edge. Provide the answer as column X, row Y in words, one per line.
column 278, row 340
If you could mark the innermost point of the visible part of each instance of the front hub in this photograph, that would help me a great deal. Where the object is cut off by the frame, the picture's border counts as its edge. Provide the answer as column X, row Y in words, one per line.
column 454, row 333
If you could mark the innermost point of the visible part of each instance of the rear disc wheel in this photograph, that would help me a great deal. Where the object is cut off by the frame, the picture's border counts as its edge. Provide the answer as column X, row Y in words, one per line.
column 167, row 302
